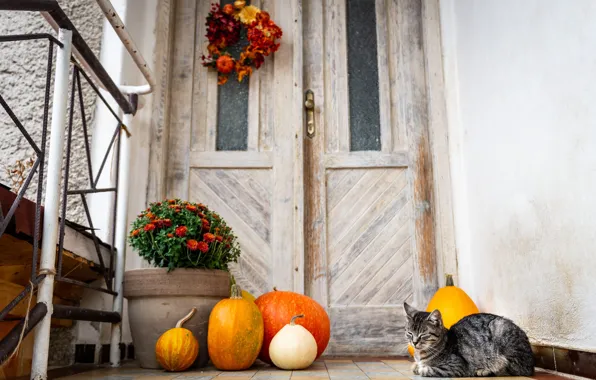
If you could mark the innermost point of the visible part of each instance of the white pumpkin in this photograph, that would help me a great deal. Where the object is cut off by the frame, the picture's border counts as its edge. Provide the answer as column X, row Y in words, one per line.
column 293, row 347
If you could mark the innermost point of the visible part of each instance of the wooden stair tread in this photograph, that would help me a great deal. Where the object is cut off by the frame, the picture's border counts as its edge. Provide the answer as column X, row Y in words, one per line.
column 19, row 365
column 8, row 292
column 18, row 252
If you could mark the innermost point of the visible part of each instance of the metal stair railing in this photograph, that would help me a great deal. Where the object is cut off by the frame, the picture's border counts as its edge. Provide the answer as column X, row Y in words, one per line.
column 86, row 65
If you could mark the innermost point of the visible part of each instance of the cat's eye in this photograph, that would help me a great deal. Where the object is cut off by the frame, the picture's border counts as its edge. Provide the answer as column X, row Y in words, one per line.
column 424, row 336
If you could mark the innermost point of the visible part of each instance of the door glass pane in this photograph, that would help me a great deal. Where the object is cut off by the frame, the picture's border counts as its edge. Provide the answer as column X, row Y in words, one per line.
column 363, row 75
column 232, row 106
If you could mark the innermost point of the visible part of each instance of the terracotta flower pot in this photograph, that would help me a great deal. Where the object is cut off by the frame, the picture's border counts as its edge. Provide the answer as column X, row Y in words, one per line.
column 158, row 299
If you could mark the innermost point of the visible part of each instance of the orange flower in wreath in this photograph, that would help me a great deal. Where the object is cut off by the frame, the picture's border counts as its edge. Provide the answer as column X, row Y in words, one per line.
column 225, row 64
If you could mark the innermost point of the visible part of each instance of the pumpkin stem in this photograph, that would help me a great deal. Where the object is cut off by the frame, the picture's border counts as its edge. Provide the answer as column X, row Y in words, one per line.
column 235, row 292
column 292, row 322
column 275, row 289
column 185, row 319
column 449, row 280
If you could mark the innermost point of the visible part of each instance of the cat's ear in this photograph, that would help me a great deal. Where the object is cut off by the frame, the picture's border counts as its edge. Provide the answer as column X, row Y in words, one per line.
column 410, row 311
column 435, row 318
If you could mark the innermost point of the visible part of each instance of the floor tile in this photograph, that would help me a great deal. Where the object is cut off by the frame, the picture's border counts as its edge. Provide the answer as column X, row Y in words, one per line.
column 330, row 369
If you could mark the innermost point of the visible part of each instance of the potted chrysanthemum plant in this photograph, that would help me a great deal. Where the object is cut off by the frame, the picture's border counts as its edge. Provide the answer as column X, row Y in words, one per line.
column 189, row 248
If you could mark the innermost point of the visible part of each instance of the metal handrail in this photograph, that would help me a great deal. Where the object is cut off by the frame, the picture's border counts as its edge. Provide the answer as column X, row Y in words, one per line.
column 56, row 17
column 120, row 29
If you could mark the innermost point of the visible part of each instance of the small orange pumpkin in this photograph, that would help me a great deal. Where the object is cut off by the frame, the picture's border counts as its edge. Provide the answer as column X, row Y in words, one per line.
column 235, row 332
column 177, row 348
column 247, row 296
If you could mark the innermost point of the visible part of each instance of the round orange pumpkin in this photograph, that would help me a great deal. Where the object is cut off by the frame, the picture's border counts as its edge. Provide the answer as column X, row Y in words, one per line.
column 177, row 348
column 278, row 307
column 235, row 333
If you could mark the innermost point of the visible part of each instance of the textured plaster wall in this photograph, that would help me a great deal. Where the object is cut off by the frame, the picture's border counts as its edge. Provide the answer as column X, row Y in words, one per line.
column 520, row 89
column 22, row 85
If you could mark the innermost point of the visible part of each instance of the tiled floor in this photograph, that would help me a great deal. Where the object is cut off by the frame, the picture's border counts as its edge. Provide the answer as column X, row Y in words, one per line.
column 322, row 369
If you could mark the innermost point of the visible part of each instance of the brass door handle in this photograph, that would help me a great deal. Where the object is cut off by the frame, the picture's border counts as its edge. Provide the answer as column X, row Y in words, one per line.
column 309, row 105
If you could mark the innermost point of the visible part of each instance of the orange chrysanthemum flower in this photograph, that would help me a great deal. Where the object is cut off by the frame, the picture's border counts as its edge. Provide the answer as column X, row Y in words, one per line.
column 203, row 247
column 181, row 231
column 208, row 237
column 206, row 224
column 149, row 227
column 192, row 244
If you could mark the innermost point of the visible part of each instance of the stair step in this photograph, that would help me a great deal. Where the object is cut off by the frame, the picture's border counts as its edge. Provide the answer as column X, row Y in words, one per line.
column 8, row 292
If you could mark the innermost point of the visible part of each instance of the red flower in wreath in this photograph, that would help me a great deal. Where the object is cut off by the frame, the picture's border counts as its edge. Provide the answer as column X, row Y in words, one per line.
column 224, row 30
column 149, row 227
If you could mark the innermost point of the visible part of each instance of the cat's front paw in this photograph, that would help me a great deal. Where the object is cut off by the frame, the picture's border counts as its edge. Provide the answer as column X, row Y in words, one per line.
column 483, row 372
column 423, row 370
column 416, row 369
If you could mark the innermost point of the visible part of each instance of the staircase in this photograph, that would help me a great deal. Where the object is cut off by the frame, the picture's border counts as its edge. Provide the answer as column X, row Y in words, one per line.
column 46, row 262
column 16, row 258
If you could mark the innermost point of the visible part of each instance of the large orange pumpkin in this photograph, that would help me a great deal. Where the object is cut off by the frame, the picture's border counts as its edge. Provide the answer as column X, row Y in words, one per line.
column 452, row 302
column 177, row 348
column 278, row 307
column 235, row 333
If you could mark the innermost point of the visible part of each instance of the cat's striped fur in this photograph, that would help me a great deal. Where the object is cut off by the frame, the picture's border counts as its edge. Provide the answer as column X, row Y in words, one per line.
column 478, row 345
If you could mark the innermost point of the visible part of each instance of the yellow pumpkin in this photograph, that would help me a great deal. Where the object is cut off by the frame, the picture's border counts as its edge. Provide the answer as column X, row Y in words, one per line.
column 177, row 348
column 247, row 296
column 452, row 302
column 235, row 332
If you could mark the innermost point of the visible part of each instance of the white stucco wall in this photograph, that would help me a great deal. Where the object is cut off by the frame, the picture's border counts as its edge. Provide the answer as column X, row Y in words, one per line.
column 22, row 85
column 521, row 87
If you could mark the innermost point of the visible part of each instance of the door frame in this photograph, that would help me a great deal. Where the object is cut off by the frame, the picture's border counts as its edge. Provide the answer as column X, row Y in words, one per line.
column 431, row 179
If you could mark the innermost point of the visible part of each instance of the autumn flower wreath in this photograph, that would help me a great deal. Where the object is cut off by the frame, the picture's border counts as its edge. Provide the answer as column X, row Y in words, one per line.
column 227, row 27
column 177, row 234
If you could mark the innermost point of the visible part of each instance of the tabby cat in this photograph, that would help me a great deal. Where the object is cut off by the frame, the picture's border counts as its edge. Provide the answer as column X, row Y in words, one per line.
column 478, row 345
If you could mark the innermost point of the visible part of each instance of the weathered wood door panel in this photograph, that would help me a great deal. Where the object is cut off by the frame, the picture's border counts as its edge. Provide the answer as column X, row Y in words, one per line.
column 344, row 216
column 234, row 147
column 368, row 223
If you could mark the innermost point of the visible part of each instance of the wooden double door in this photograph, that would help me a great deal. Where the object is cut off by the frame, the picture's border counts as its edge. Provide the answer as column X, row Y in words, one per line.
column 331, row 200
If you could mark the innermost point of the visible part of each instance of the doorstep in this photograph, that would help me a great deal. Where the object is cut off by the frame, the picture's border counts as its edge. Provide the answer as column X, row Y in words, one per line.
column 340, row 369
